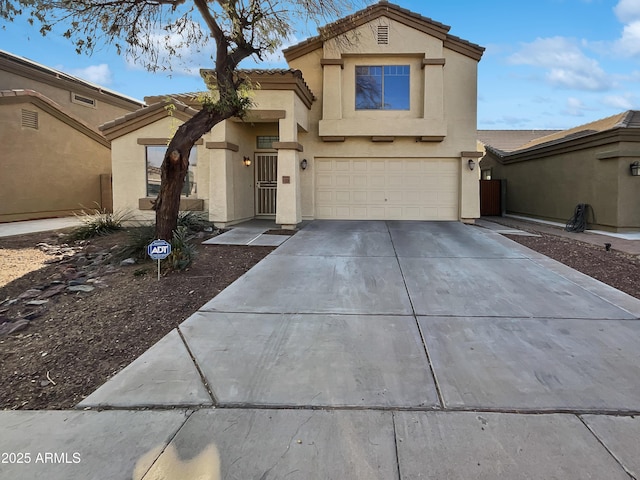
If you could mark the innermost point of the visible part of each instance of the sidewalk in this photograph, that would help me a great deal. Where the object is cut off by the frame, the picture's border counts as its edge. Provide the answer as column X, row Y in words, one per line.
column 33, row 226
column 625, row 245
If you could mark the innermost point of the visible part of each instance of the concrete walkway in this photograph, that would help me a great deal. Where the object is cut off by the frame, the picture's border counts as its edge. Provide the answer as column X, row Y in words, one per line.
column 626, row 243
column 32, row 226
column 252, row 232
column 370, row 350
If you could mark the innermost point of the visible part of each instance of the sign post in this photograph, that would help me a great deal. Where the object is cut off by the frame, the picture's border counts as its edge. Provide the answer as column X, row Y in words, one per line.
column 159, row 250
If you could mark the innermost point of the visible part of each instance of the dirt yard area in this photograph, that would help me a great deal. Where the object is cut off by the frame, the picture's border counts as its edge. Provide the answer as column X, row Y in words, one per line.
column 68, row 321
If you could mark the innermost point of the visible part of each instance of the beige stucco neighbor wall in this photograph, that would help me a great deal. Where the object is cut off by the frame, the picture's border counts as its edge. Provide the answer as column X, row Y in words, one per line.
column 550, row 187
column 628, row 188
column 106, row 108
column 51, row 171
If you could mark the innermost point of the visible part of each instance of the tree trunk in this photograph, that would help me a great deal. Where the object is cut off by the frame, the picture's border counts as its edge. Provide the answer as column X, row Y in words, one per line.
column 175, row 167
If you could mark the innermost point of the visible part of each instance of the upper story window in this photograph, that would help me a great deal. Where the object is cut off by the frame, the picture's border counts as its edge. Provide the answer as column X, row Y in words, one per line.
column 155, row 156
column 382, row 87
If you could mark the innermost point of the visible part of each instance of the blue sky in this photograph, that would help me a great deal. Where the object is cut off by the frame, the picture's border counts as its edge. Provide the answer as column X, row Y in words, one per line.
column 547, row 64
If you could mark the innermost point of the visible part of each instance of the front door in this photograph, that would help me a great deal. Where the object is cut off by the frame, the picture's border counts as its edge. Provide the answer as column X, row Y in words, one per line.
column 266, row 183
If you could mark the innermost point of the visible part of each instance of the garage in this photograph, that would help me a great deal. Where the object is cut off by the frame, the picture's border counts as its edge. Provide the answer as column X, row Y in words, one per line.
column 386, row 189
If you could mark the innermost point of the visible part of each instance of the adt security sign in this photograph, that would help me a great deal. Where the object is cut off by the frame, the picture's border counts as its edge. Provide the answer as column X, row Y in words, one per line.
column 159, row 249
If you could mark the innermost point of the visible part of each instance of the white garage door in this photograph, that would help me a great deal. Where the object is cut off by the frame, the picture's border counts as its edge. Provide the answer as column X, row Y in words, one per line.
column 386, row 189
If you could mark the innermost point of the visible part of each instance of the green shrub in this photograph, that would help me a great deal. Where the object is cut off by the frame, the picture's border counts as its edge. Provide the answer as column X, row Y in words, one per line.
column 96, row 223
column 138, row 238
column 194, row 221
column 182, row 251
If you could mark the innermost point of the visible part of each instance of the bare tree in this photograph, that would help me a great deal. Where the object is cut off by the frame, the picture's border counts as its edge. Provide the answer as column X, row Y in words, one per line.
column 140, row 29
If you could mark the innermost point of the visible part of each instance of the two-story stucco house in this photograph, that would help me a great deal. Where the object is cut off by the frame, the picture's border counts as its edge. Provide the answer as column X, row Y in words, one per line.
column 375, row 119
column 55, row 160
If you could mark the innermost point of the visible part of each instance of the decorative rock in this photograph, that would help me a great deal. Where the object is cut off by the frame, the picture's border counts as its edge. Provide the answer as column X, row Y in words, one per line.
column 31, row 293
column 127, row 262
column 10, row 327
column 53, row 290
column 31, row 315
column 37, row 303
column 81, row 288
column 97, row 283
column 70, row 273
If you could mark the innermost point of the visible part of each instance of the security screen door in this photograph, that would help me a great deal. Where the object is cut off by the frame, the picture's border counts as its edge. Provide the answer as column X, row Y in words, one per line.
column 266, row 183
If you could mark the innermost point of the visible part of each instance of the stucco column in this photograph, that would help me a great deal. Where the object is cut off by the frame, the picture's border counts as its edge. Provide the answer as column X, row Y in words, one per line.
column 288, row 199
column 434, row 90
column 332, row 97
column 221, row 182
column 470, row 187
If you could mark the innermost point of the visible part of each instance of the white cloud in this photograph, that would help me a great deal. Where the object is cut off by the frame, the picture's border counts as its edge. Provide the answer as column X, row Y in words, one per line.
column 567, row 66
column 629, row 43
column 622, row 102
column 574, row 107
column 98, row 74
column 627, row 11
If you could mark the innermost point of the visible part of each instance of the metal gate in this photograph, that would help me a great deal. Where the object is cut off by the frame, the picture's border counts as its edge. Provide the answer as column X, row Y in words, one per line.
column 266, row 183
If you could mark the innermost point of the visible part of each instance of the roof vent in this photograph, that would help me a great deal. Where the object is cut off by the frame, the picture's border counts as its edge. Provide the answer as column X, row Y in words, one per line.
column 82, row 100
column 383, row 34
column 30, row 119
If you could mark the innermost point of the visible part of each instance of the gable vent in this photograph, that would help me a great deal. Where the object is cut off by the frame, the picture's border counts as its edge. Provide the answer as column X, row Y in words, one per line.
column 383, row 34
column 86, row 101
column 29, row 119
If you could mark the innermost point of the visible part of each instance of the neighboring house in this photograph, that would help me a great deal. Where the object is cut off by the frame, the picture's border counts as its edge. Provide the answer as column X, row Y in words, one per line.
column 56, row 161
column 547, row 177
column 376, row 119
column 505, row 141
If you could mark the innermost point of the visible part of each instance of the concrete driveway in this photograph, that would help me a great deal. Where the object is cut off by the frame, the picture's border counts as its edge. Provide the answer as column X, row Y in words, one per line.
column 383, row 350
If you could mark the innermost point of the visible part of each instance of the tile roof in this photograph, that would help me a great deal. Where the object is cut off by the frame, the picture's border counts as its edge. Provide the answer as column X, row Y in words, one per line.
column 58, row 76
column 120, row 125
column 628, row 119
column 396, row 12
column 257, row 75
column 510, row 140
column 149, row 109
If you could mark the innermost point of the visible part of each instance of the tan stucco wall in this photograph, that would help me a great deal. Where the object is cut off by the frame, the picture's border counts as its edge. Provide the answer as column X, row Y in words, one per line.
column 103, row 112
column 52, row 171
column 550, row 187
column 628, row 190
column 129, row 173
column 459, row 88
column 235, row 181
column 443, row 104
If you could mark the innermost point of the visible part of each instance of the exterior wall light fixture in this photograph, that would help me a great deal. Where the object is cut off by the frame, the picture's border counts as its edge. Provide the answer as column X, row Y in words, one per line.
column 635, row 169
column 303, row 164
column 246, row 161
column 471, row 164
